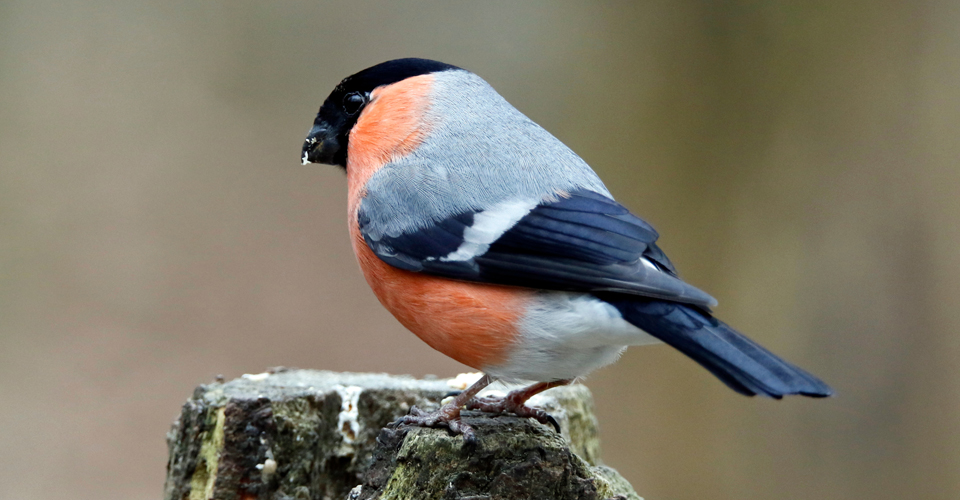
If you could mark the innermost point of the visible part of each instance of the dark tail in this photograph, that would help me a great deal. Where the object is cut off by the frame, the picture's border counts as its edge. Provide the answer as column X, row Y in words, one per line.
column 736, row 360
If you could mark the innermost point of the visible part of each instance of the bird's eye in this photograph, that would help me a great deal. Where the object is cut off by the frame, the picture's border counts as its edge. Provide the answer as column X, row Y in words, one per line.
column 352, row 102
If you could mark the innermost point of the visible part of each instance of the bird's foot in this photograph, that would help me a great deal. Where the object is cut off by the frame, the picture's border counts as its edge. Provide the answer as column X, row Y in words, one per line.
column 447, row 416
column 513, row 403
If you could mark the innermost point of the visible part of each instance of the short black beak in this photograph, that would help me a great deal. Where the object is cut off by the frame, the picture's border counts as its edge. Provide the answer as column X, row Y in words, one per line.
column 312, row 145
column 322, row 146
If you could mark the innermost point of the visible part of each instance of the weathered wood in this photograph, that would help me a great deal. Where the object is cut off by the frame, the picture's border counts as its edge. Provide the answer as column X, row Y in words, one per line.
column 303, row 434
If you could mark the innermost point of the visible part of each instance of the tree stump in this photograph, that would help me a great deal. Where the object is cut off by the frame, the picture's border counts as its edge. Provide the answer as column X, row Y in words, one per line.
column 305, row 434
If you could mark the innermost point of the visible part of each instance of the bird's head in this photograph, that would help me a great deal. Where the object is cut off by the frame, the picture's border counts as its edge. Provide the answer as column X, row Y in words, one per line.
column 328, row 139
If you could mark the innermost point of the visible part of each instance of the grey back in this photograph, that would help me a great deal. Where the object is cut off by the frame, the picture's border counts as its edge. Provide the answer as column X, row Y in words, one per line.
column 480, row 151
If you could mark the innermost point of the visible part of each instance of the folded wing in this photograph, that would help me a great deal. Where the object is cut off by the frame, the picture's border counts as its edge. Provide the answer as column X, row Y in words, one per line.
column 581, row 241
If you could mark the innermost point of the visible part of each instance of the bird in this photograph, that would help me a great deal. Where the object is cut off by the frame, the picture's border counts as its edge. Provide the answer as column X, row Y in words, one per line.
column 498, row 246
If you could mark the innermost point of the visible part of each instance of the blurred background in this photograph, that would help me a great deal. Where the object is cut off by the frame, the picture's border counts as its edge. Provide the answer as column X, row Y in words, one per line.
column 801, row 160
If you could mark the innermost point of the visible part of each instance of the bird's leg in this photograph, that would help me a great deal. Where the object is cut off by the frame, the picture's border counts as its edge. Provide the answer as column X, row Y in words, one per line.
column 447, row 415
column 514, row 401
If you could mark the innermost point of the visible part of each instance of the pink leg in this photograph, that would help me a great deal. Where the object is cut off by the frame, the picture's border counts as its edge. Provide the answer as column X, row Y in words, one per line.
column 447, row 415
column 514, row 401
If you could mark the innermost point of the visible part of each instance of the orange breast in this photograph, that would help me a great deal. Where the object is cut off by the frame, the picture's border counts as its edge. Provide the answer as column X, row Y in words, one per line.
column 471, row 323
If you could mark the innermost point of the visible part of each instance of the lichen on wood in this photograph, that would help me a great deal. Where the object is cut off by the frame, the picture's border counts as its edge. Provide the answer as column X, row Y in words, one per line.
column 513, row 458
column 303, row 434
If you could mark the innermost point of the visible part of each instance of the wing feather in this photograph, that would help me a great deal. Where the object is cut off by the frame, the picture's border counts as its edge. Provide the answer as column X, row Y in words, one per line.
column 581, row 242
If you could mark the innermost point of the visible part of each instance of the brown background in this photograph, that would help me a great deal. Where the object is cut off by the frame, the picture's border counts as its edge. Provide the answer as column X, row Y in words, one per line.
column 800, row 159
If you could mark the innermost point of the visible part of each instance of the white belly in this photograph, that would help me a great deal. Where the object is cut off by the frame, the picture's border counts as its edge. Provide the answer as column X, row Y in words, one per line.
column 565, row 335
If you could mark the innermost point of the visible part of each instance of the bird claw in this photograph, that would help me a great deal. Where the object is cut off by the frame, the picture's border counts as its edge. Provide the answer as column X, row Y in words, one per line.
column 447, row 416
column 553, row 422
column 509, row 404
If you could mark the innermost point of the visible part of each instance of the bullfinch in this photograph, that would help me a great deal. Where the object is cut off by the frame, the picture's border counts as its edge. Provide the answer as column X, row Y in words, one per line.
column 498, row 246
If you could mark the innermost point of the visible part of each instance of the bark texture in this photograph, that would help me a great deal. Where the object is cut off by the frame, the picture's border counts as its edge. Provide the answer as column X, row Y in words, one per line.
column 304, row 434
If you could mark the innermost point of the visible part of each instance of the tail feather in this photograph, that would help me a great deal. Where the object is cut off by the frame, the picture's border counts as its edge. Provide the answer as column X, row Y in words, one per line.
column 737, row 361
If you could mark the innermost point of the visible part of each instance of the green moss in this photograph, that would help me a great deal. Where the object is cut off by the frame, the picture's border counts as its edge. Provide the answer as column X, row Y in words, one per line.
column 411, row 479
column 201, row 484
column 296, row 414
column 297, row 442
column 580, row 423
column 610, row 484
column 513, row 457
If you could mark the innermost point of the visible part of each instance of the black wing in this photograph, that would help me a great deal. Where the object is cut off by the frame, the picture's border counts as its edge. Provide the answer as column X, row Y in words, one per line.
column 582, row 242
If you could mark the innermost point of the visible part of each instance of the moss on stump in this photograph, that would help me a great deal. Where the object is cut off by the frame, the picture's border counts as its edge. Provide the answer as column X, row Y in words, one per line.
column 304, row 434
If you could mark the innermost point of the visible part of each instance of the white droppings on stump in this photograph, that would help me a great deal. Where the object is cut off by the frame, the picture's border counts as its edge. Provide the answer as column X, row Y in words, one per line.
column 348, row 423
column 255, row 377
